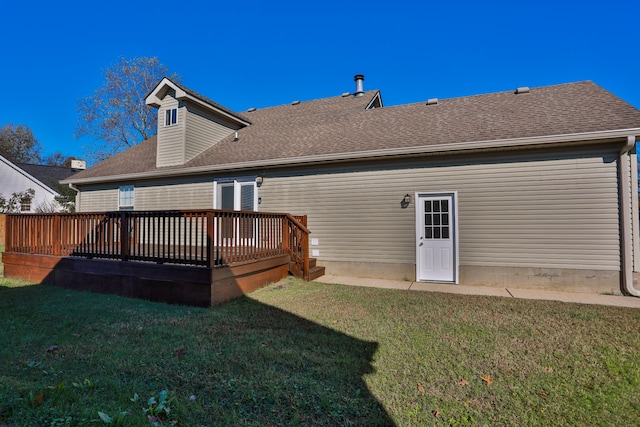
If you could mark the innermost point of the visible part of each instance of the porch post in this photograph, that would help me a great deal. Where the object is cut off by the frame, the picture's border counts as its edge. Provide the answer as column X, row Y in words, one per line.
column 124, row 236
column 210, row 240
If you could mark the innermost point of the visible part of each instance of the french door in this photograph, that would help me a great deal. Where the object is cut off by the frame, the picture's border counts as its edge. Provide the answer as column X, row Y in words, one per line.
column 235, row 195
column 436, row 237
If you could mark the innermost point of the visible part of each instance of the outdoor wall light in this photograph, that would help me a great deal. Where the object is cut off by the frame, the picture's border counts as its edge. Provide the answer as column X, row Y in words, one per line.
column 406, row 200
column 259, row 180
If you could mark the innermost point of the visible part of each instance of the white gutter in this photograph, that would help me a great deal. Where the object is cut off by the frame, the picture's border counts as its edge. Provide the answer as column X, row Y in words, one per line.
column 624, row 171
column 78, row 193
column 371, row 154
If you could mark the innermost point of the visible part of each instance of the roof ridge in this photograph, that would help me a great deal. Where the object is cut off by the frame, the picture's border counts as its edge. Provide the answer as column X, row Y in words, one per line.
column 503, row 92
column 373, row 92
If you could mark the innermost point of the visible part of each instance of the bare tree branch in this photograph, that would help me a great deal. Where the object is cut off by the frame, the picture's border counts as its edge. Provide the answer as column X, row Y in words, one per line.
column 116, row 116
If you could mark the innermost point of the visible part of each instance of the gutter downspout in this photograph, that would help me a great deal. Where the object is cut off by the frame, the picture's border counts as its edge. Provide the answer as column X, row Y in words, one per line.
column 626, row 226
column 74, row 188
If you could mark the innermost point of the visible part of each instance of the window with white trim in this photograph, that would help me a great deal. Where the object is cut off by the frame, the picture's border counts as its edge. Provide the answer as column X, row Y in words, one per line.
column 235, row 195
column 171, row 116
column 126, row 197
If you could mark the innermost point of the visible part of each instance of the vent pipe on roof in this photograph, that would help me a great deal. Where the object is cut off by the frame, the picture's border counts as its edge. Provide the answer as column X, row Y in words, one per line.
column 359, row 78
column 522, row 89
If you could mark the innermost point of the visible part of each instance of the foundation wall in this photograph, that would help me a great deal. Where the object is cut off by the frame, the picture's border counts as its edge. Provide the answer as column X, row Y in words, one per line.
column 559, row 279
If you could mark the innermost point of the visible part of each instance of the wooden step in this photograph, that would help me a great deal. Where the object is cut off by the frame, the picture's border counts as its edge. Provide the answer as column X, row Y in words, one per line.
column 316, row 272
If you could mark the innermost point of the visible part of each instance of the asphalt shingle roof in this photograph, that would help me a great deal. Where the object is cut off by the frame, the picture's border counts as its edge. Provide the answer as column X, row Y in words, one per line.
column 48, row 175
column 342, row 126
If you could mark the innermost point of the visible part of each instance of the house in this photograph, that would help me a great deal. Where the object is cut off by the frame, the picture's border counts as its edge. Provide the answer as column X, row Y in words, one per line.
column 42, row 179
column 533, row 187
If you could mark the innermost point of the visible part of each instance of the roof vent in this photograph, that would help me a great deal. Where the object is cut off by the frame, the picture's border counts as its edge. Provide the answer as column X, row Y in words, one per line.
column 432, row 101
column 252, row 109
column 359, row 78
column 522, row 89
column 344, row 95
column 295, row 103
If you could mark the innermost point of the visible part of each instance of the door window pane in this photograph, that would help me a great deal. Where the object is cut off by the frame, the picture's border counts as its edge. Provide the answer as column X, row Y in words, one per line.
column 436, row 219
column 246, row 197
column 226, row 197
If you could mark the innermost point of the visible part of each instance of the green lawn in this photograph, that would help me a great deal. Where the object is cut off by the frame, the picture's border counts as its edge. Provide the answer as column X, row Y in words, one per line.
column 300, row 353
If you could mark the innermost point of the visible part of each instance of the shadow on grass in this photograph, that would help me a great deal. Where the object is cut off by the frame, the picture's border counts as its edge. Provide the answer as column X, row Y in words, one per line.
column 242, row 363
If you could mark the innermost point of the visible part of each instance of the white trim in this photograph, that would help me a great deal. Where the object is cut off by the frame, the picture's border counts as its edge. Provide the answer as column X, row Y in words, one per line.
column 587, row 137
column 133, row 197
column 455, row 237
column 635, row 217
column 153, row 100
column 238, row 182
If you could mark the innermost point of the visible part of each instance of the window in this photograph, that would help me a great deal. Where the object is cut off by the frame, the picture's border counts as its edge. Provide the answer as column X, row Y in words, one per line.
column 235, row 195
column 126, row 198
column 171, row 116
column 436, row 219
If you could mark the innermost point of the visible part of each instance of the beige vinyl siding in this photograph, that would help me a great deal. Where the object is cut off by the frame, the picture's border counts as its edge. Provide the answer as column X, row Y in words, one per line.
column 152, row 195
column 171, row 139
column 553, row 209
column 197, row 195
column 203, row 131
column 98, row 199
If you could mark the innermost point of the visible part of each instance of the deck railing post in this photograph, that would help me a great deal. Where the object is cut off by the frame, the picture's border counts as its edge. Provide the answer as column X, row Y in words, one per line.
column 124, row 237
column 56, row 234
column 210, row 241
column 286, row 234
column 8, row 233
column 305, row 252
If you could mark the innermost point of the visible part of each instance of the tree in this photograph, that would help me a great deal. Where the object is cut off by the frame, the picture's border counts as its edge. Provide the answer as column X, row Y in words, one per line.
column 18, row 144
column 58, row 159
column 116, row 115
column 14, row 203
column 66, row 198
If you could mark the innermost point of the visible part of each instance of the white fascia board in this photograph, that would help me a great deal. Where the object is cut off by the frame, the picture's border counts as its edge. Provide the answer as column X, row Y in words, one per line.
column 154, row 100
column 540, row 141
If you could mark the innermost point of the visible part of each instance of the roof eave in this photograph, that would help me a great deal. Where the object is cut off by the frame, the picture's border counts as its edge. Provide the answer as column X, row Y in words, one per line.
column 510, row 143
column 154, row 100
column 18, row 169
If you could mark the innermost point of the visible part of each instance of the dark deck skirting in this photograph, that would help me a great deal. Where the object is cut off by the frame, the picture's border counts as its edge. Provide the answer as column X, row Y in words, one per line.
column 174, row 284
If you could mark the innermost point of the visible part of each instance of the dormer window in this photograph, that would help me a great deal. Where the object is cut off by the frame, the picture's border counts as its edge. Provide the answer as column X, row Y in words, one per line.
column 171, row 117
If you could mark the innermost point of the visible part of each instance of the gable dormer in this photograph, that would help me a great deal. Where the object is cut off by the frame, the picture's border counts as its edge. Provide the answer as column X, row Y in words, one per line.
column 188, row 123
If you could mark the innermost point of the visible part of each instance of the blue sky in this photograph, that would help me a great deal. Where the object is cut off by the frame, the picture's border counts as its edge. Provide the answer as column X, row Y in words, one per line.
column 263, row 53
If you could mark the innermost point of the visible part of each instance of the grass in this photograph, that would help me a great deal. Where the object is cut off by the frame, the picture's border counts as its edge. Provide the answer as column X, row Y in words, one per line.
column 300, row 353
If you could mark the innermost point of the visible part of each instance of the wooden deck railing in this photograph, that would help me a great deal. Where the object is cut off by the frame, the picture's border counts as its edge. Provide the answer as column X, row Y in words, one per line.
column 210, row 238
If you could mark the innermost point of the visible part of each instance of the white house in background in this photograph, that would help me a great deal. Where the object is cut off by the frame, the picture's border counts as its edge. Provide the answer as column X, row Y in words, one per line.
column 16, row 178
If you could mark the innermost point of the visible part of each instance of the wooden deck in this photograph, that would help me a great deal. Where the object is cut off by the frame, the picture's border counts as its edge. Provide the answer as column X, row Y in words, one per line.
column 183, row 257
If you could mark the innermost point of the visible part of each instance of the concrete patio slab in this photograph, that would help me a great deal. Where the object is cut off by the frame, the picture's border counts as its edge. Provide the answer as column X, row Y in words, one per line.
column 539, row 294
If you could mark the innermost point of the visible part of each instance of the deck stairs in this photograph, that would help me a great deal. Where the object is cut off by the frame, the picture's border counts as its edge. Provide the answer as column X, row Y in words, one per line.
column 315, row 270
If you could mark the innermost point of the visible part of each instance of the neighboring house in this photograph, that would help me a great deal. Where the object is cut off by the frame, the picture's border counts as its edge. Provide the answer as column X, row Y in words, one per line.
column 532, row 188
column 19, row 177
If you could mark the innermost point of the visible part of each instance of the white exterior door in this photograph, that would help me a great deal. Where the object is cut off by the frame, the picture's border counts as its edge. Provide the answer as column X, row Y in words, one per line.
column 237, row 196
column 436, row 237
